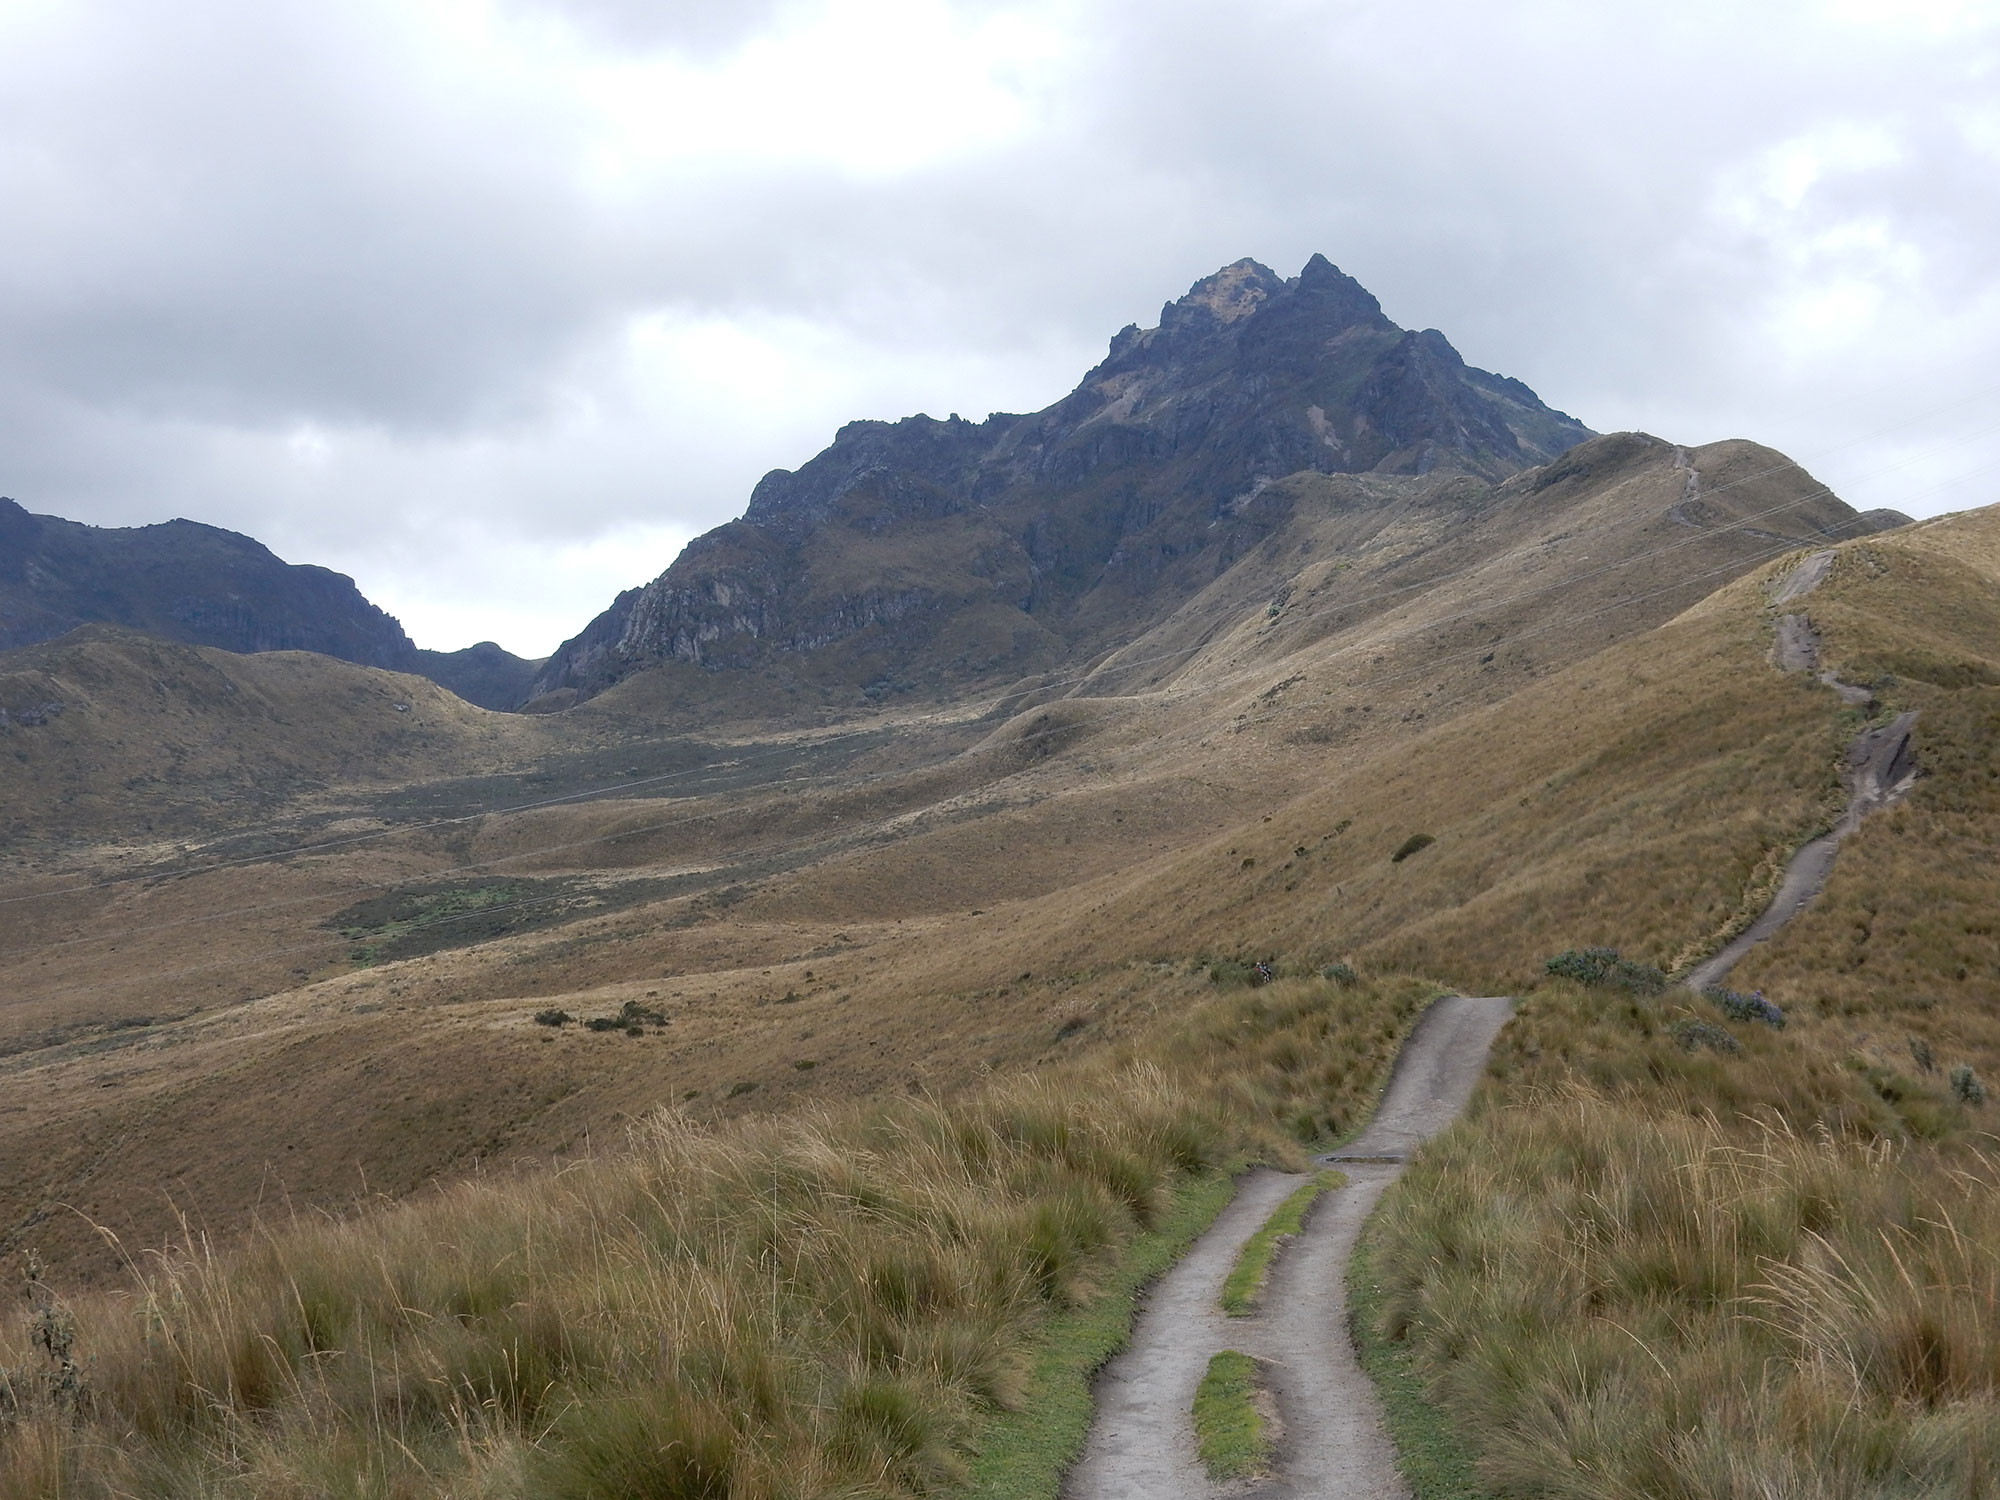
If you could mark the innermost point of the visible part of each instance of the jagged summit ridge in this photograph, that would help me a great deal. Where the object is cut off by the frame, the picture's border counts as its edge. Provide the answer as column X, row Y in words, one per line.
column 1246, row 379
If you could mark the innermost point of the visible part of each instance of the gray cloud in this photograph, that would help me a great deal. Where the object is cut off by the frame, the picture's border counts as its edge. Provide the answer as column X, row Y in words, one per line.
column 430, row 293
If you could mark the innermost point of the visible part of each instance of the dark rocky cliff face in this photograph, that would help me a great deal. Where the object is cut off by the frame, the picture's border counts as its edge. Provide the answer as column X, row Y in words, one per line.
column 186, row 582
column 205, row 586
column 973, row 546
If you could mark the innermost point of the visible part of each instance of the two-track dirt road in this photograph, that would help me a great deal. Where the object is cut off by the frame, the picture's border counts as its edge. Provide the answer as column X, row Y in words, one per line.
column 1142, row 1445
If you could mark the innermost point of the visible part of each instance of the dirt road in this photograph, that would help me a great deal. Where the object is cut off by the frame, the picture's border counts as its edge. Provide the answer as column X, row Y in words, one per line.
column 1142, row 1446
column 1881, row 769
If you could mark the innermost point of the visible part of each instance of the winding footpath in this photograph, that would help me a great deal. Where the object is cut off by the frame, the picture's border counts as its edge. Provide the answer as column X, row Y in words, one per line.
column 1881, row 769
column 1142, row 1445
column 1333, row 1443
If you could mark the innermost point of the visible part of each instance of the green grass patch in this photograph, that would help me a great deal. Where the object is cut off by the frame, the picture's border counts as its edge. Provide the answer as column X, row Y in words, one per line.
column 409, row 921
column 1253, row 1262
column 1024, row 1454
column 1235, row 1440
column 1436, row 1463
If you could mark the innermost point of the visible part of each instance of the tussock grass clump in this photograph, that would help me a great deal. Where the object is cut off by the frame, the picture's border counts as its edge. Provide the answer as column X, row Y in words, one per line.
column 1640, row 1270
column 816, row 1303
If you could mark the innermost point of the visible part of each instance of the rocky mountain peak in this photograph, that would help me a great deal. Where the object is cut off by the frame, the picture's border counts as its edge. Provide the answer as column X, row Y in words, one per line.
column 1231, row 294
column 1246, row 379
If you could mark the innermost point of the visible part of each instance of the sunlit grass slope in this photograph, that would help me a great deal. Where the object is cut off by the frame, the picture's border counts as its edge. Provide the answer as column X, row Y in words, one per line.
column 1673, row 1255
column 1906, row 940
column 816, row 1303
column 1646, row 797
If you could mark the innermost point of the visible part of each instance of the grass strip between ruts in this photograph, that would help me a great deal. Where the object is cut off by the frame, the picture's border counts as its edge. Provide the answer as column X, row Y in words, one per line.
column 1253, row 1262
column 1433, row 1458
column 1024, row 1454
column 1234, row 1437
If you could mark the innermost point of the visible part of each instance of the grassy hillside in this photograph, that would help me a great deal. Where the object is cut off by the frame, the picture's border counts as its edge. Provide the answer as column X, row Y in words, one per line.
column 143, row 740
column 826, row 1301
column 1660, row 1263
column 1450, row 736
column 332, row 992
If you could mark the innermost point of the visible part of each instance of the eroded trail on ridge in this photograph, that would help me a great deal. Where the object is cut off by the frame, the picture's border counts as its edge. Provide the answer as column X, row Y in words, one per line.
column 1881, row 768
column 1142, row 1444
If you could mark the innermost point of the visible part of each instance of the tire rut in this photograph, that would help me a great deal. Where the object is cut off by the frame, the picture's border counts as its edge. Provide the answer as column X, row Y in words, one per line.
column 1142, row 1445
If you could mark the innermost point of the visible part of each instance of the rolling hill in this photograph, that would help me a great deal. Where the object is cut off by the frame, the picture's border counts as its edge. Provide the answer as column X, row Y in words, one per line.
column 746, row 932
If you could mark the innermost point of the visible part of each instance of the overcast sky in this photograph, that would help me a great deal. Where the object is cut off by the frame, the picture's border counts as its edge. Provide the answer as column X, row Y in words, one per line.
column 494, row 303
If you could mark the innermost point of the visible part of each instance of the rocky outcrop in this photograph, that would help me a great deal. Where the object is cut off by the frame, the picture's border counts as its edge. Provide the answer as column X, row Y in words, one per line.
column 1066, row 525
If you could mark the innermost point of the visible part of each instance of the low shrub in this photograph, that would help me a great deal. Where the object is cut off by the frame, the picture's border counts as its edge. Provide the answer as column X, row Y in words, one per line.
column 1233, row 973
column 1693, row 1035
column 1604, row 968
column 1966, row 1086
column 632, row 1017
column 1414, row 844
column 50, row 1383
column 1750, row 1007
column 553, row 1017
column 1340, row 973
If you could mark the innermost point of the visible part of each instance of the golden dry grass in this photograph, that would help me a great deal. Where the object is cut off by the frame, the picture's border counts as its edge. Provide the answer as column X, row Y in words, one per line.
column 901, row 879
column 824, row 1302
column 956, row 899
column 1647, row 1270
column 1905, row 942
column 1644, row 1271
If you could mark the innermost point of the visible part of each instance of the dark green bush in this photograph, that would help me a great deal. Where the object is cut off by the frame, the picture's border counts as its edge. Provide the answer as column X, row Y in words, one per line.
column 632, row 1017
column 1415, row 843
